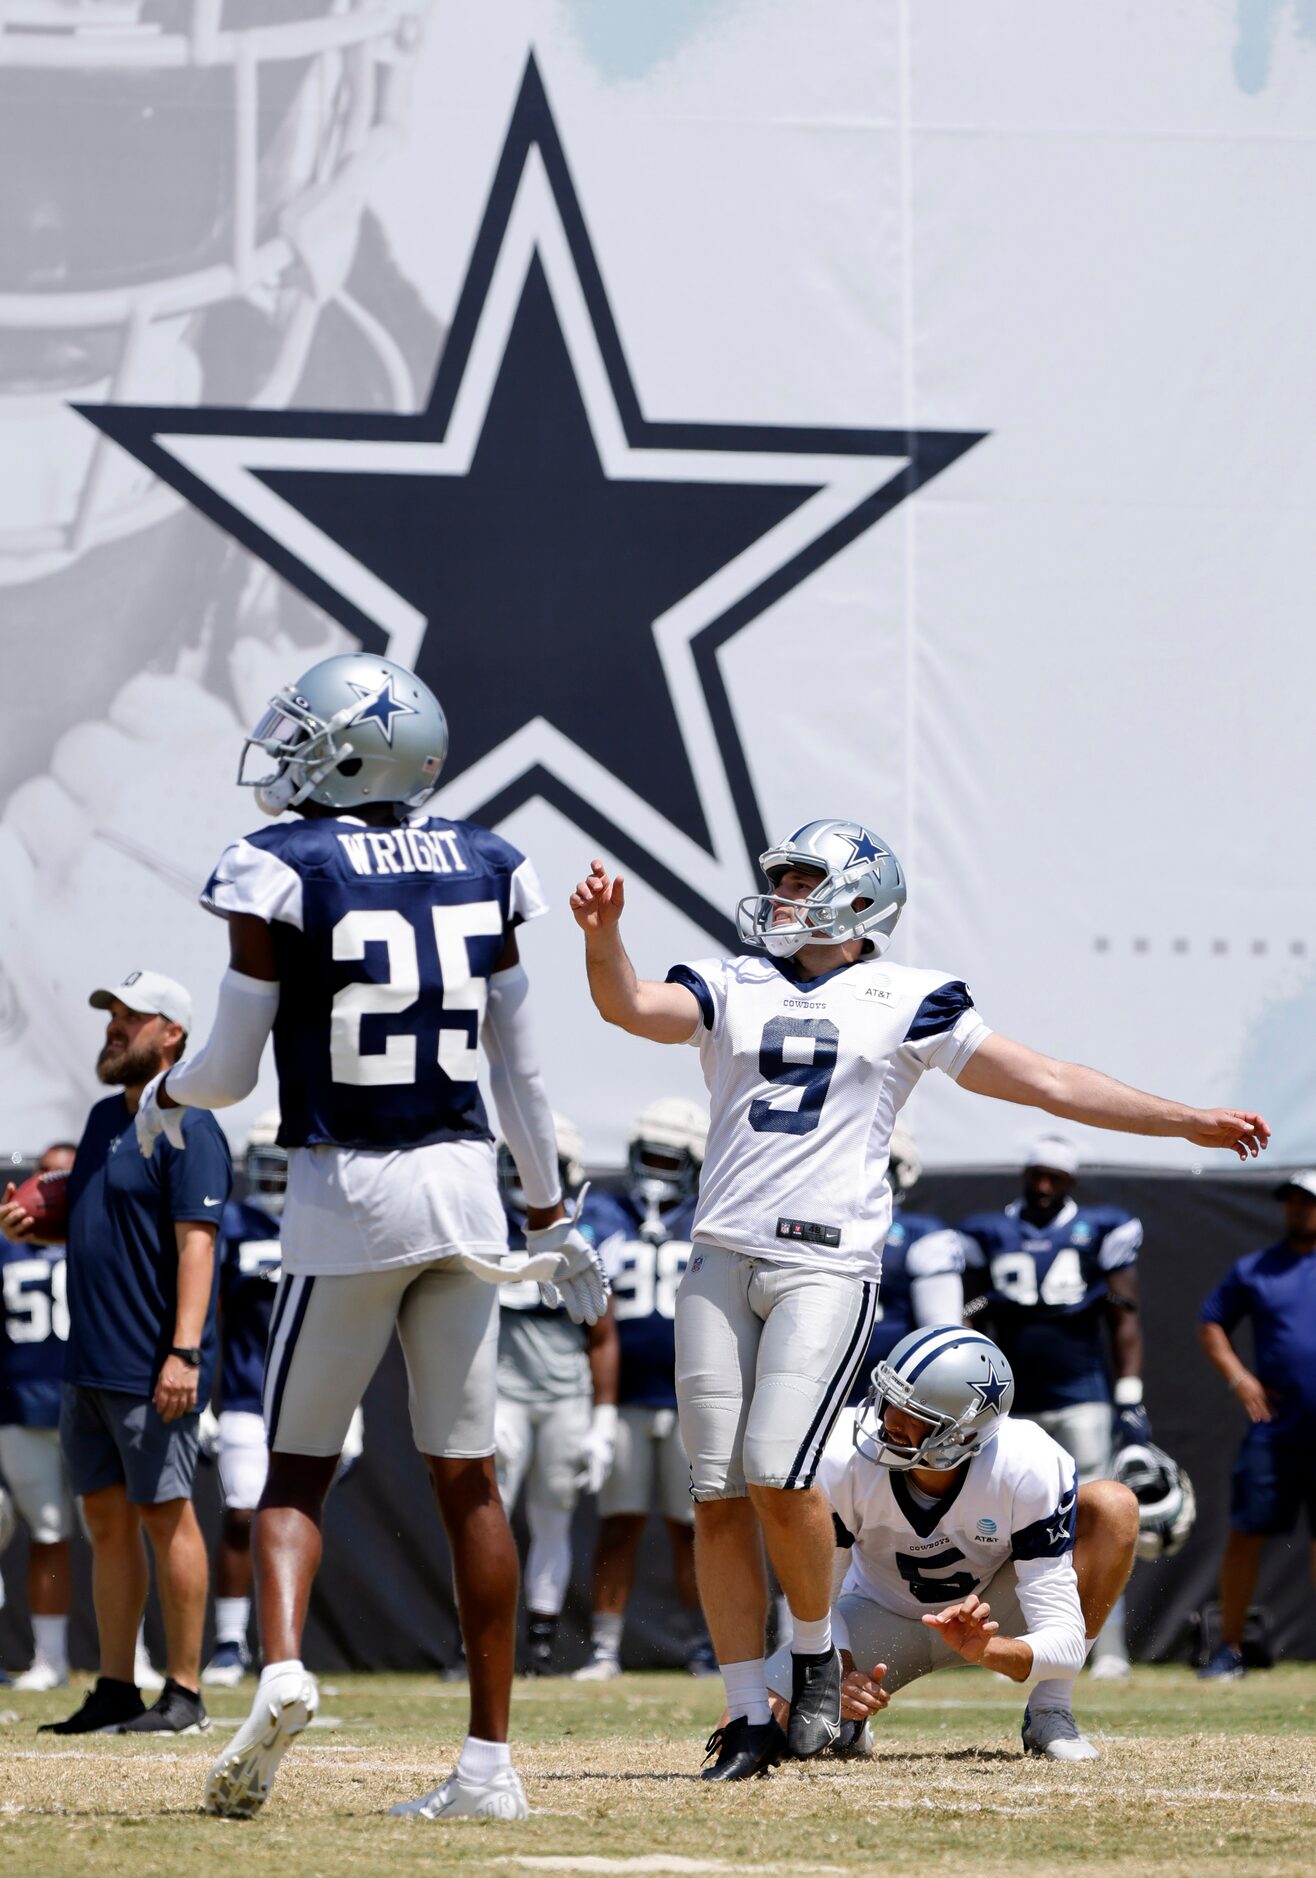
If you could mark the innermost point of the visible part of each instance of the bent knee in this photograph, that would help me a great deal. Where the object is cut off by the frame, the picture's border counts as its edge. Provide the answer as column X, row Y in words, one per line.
column 1108, row 1507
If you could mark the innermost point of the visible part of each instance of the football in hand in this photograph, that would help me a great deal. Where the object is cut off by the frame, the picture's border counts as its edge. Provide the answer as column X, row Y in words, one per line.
column 46, row 1198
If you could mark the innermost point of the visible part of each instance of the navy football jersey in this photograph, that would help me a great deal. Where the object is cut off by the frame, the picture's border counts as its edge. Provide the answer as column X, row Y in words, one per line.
column 248, row 1278
column 644, row 1287
column 895, row 1299
column 1046, row 1291
column 35, row 1331
column 385, row 941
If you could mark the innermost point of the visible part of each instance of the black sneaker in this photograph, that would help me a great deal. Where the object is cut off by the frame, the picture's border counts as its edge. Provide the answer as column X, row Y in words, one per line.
column 105, row 1709
column 175, row 1711
column 541, row 1632
column 815, row 1721
column 744, row 1749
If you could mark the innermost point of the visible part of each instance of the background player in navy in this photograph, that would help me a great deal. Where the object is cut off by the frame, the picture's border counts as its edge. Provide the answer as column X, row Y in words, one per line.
column 556, row 1424
column 665, row 1152
column 1275, row 1474
column 35, row 1318
column 1058, row 1282
column 378, row 945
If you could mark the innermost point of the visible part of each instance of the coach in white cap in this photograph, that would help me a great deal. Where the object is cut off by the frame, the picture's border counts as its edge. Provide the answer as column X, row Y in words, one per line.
column 141, row 1352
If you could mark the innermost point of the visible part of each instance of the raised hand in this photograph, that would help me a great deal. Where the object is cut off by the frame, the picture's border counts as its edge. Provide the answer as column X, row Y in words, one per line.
column 598, row 901
column 1247, row 1134
column 966, row 1627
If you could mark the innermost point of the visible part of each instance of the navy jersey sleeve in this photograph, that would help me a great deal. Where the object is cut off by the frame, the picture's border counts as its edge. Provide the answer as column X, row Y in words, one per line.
column 940, row 1011
column 200, row 1177
column 1230, row 1302
column 1052, row 1535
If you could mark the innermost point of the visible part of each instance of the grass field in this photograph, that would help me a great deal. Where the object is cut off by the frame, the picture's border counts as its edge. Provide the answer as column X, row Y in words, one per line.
column 1192, row 1780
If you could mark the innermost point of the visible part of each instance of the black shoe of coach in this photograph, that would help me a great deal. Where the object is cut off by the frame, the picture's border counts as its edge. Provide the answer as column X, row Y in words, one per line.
column 104, row 1710
column 815, row 1721
column 744, row 1749
column 175, row 1711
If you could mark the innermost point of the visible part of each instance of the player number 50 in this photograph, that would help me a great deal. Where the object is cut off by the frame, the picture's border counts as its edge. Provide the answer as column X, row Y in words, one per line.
column 463, row 991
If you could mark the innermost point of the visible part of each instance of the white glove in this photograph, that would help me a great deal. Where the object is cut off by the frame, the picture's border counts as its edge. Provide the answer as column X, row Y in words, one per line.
column 567, row 1267
column 151, row 1121
column 353, row 1444
column 598, row 1449
column 208, row 1433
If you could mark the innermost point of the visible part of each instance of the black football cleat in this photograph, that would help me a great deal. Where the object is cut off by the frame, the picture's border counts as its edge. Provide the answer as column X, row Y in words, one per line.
column 176, row 1711
column 815, row 1720
column 106, row 1707
column 744, row 1749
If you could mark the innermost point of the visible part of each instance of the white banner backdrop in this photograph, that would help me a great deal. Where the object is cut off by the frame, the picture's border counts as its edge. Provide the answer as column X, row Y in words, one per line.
column 740, row 412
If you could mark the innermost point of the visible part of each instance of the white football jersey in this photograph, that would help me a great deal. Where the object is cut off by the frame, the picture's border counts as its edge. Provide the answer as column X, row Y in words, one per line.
column 805, row 1083
column 1015, row 1500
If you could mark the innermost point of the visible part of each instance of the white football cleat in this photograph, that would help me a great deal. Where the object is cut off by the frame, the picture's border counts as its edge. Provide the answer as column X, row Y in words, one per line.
column 1110, row 1668
column 239, row 1782
column 40, row 1677
column 1052, row 1734
column 501, row 1796
column 600, row 1668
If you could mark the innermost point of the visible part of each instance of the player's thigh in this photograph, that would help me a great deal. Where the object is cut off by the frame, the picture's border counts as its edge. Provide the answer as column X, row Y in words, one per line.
column 1084, row 1431
column 815, row 1334
column 31, row 1462
column 514, row 1440
column 555, row 1469
column 717, row 1342
column 629, row 1486
column 328, row 1334
column 242, row 1457
column 673, row 1469
column 448, row 1328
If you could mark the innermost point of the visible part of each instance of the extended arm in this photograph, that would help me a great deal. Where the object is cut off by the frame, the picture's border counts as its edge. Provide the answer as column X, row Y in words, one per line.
column 226, row 1067
column 663, row 1013
column 1013, row 1073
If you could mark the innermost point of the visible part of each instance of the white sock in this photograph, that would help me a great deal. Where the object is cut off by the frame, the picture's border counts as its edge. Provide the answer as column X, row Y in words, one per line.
column 605, row 1633
column 1055, row 1692
column 812, row 1637
column 276, row 1672
column 51, row 1636
column 480, row 1760
column 746, row 1685
column 232, row 1616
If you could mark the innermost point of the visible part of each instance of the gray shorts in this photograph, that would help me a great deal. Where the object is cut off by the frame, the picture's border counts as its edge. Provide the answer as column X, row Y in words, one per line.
column 907, row 1646
column 650, row 1470
column 765, row 1356
column 111, row 1439
column 329, row 1332
column 1085, row 1430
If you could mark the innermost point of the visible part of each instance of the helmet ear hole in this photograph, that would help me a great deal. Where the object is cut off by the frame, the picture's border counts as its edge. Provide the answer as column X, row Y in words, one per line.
column 350, row 767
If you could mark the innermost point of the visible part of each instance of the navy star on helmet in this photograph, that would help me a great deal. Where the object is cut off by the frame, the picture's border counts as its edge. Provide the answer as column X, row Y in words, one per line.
column 350, row 731
column 860, row 895
column 955, row 1380
column 381, row 706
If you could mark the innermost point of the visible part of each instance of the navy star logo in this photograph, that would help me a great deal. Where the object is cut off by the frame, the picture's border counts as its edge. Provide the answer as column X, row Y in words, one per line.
column 989, row 1393
column 1058, row 1532
column 865, row 849
column 563, row 570
column 383, row 707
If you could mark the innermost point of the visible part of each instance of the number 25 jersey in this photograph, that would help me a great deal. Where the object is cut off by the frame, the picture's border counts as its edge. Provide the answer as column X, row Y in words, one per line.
column 385, row 940
column 805, row 1083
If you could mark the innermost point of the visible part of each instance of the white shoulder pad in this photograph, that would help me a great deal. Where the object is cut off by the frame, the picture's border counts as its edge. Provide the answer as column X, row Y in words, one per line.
column 1120, row 1246
column 249, row 879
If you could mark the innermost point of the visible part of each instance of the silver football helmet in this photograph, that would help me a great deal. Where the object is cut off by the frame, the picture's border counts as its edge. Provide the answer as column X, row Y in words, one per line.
column 1167, row 1505
column 956, row 1380
column 352, row 730
column 859, row 897
column 570, row 1164
column 265, row 1164
column 665, row 1149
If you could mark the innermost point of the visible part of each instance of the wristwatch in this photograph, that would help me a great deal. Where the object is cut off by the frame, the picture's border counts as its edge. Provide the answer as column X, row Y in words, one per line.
column 191, row 1357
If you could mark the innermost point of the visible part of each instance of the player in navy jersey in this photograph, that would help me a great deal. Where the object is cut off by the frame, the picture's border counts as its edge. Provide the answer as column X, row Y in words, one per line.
column 810, row 1044
column 556, row 1423
column 377, row 943
column 1274, row 1480
column 35, row 1327
column 665, row 1152
column 1058, row 1283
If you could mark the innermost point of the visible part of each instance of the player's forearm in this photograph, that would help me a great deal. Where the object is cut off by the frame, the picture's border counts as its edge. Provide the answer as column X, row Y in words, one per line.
column 662, row 1013
column 196, row 1268
column 1126, row 1343
column 1014, row 1073
column 603, row 1348
column 226, row 1067
column 1222, row 1354
column 1008, row 1656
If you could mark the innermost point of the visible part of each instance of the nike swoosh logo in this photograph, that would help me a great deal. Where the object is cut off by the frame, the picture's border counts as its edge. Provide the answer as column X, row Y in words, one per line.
column 209, row 1202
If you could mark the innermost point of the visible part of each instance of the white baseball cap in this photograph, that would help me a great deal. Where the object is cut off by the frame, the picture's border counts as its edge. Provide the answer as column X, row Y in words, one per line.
column 151, row 994
column 1053, row 1151
column 1304, row 1181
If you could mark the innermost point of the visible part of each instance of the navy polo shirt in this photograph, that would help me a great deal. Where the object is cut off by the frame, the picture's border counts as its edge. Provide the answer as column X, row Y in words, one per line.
column 122, row 1249
column 1276, row 1288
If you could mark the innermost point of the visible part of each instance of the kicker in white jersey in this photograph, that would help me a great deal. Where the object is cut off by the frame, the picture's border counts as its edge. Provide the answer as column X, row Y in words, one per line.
column 806, row 1081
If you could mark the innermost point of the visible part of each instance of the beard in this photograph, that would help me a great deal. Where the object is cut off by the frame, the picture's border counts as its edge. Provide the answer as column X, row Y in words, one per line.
column 124, row 1064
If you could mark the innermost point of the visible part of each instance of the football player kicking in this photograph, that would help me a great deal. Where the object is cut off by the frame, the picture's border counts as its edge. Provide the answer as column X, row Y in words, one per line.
column 379, row 945
column 809, row 1054
column 961, row 1536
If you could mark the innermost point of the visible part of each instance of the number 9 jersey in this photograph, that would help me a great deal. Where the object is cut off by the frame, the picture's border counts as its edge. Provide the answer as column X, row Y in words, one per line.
column 805, row 1083
column 385, row 941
